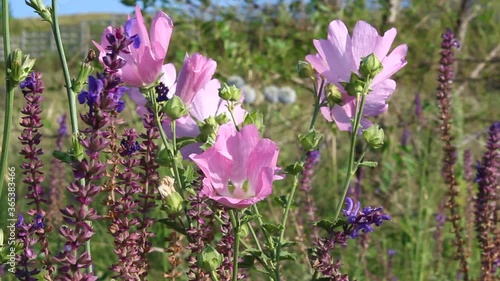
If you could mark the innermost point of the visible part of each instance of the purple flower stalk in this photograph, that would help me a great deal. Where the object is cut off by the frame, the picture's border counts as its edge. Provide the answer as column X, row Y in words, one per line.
column 32, row 88
column 200, row 234
column 26, row 260
column 225, row 246
column 357, row 221
column 443, row 96
column 149, row 180
column 312, row 159
column 486, row 208
column 125, row 209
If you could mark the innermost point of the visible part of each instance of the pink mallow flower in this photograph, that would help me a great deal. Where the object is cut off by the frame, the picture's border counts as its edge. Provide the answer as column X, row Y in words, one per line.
column 196, row 88
column 339, row 55
column 145, row 56
column 239, row 168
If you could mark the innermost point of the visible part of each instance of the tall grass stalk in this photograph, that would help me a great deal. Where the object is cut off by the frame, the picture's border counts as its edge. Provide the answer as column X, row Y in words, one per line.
column 9, row 97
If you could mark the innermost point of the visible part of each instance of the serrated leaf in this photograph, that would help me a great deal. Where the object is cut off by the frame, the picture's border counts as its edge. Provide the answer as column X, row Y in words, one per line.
column 272, row 228
column 248, row 217
column 284, row 255
column 371, row 164
column 248, row 261
column 329, row 225
column 288, row 243
column 182, row 142
column 174, row 225
column 282, row 200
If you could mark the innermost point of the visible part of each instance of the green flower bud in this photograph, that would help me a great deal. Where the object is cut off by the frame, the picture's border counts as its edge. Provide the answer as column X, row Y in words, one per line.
column 230, row 93
column 77, row 148
column 222, row 119
column 163, row 158
column 208, row 129
column 305, row 69
column 18, row 66
column 355, row 86
column 374, row 136
column 175, row 108
column 370, row 66
column 83, row 76
column 310, row 140
column 40, row 9
column 255, row 118
column 173, row 201
column 333, row 95
column 243, row 233
column 209, row 259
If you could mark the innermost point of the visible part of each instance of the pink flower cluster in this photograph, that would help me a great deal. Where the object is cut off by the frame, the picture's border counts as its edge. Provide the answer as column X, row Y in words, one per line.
column 340, row 55
column 240, row 168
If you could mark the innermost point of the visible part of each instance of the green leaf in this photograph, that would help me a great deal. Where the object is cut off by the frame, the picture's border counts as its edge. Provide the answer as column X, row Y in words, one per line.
column 371, row 164
column 247, row 217
column 65, row 157
column 284, row 255
column 329, row 225
column 248, row 261
column 174, row 225
column 182, row 142
column 282, row 200
column 272, row 228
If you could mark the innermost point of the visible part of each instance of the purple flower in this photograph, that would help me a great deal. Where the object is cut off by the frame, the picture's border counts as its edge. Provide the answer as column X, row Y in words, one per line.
column 362, row 221
column 32, row 84
column 91, row 96
column 129, row 146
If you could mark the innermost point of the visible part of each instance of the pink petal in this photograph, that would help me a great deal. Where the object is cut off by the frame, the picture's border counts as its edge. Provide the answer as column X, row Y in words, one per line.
column 194, row 75
column 384, row 43
column 139, row 28
column 364, row 40
column 392, row 63
column 161, row 31
column 206, row 102
column 168, row 78
column 376, row 100
column 137, row 97
column 264, row 155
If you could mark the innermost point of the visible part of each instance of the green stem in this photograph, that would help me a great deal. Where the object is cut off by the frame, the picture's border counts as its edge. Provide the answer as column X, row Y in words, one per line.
column 259, row 220
column 283, row 224
column 317, row 104
column 180, row 185
column 67, row 80
column 235, row 221
column 71, row 96
column 9, row 98
column 351, row 167
column 213, row 275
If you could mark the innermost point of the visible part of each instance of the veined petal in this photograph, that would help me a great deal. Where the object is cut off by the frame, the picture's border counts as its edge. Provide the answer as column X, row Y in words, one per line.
column 392, row 63
column 376, row 100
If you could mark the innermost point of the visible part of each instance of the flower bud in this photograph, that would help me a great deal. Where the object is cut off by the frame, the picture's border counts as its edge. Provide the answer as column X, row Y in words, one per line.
column 230, row 93
column 374, row 136
column 255, row 118
column 370, row 66
column 83, row 76
column 40, row 9
column 208, row 129
column 310, row 140
column 175, row 108
column 305, row 69
column 243, row 233
column 18, row 66
column 222, row 119
column 77, row 148
column 355, row 86
column 173, row 201
column 209, row 259
column 333, row 95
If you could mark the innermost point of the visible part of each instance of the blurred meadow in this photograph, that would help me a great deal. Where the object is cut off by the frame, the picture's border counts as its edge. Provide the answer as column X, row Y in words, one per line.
column 262, row 42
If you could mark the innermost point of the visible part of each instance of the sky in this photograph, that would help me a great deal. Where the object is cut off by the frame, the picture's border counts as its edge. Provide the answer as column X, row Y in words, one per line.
column 67, row 7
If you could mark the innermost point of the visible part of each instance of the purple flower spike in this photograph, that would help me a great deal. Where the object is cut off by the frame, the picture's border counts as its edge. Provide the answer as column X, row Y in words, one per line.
column 362, row 221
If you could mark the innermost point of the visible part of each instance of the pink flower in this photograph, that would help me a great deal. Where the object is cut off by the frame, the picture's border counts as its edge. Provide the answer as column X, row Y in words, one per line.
column 196, row 72
column 339, row 55
column 144, row 62
column 200, row 93
column 239, row 168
